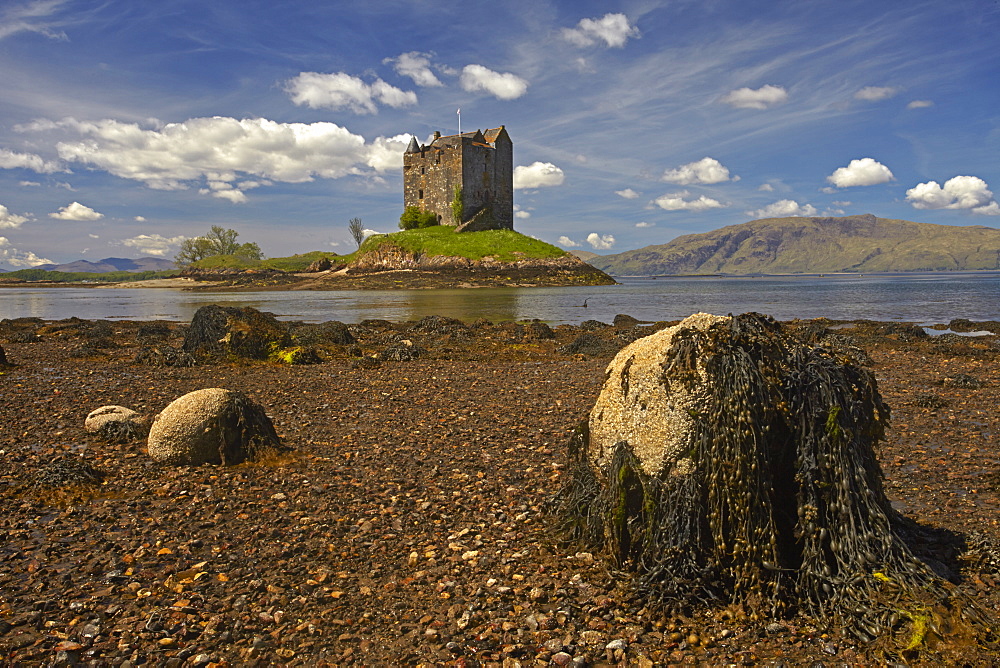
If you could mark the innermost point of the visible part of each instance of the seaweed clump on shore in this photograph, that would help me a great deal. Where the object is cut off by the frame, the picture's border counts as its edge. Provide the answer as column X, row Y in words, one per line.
column 726, row 461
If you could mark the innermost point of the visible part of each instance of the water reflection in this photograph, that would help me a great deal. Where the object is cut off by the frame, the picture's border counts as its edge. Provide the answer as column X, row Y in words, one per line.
column 925, row 298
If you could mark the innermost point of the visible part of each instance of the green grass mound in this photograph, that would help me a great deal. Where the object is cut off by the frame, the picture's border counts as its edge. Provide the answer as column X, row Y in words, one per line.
column 503, row 245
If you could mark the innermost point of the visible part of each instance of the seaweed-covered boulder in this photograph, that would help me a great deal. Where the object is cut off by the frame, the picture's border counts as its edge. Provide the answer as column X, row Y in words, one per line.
column 212, row 426
column 164, row 356
column 589, row 344
column 240, row 332
column 115, row 424
column 726, row 460
column 331, row 332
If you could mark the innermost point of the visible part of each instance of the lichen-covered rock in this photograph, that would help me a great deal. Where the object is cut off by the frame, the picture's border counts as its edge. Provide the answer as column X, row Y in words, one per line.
column 240, row 332
column 115, row 424
column 211, row 426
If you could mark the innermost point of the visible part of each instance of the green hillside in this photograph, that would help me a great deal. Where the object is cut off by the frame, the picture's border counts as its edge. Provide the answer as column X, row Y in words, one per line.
column 861, row 243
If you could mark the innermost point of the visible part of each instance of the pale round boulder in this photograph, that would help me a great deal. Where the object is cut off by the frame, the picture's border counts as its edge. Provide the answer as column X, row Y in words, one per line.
column 98, row 418
column 211, row 426
column 644, row 406
column 116, row 424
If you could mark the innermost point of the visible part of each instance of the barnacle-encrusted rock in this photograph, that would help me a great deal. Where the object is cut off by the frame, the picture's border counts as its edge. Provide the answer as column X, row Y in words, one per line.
column 640, row 405
column 211, row 426
column 115, row 424
column 725, row 459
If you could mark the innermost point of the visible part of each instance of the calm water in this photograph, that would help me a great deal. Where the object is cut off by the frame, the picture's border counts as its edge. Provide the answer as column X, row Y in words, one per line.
column 924, row 298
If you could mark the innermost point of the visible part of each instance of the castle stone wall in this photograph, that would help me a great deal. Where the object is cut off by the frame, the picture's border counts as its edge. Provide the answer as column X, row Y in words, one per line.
column 483, row 172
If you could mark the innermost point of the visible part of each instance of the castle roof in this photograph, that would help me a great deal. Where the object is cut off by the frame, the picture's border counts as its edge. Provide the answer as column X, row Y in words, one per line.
column 414, row 147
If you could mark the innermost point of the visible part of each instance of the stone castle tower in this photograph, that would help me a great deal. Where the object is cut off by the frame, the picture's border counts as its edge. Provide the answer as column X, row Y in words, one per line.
column 480, row 164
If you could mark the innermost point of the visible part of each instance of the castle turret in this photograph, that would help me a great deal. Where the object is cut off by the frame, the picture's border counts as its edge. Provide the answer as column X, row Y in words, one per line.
column 414, row 147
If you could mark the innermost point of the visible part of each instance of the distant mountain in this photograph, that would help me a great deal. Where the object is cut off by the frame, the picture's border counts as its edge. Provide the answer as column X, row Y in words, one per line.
column 112, row 264
column 861, row 243
column 586, row 256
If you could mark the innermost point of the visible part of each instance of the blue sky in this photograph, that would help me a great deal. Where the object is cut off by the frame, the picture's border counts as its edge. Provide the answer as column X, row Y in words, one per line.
column 126, row 127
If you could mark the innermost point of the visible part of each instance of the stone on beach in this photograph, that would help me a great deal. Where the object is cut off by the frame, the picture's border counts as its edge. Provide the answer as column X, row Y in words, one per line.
column 725, row 458
column 239, row 332
column 212, row 426
column 115, row 423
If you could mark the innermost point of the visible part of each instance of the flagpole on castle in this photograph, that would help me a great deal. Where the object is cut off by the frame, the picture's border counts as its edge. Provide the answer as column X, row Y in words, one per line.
column 459, row 112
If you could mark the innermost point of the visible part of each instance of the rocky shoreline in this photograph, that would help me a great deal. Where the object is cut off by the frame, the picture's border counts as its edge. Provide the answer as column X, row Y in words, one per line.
column 409, row 521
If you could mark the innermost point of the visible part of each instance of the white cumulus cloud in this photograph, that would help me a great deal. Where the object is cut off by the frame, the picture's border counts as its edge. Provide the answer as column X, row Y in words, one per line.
column 876, row 93
column 862, row 172
column 200, row 151
column 18, row 258
column 920, row 104
column 8, row 220
column 706, row 170
column 785, row 208
column 537, row 175
column 76, row 211
column 760, row 98
column 415, row 65
column 644, row 224
column 502, row 85
column 153, row 244
column 600, row 242
column 566, row 241
column 612, row 29
column 628, row 193
column 12, row 160
column 339, row 90
column 678, row 202
column 960, row 192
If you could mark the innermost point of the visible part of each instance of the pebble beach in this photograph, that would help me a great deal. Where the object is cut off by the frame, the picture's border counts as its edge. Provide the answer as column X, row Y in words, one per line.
column 409, row 522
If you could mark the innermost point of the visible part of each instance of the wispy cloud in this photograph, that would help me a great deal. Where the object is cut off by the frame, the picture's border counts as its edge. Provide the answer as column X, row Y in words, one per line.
column 36, row 17
column 153, row 244
column 876, row 93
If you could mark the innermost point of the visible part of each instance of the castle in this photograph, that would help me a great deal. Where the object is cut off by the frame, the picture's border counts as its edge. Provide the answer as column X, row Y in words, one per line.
column 479, row 165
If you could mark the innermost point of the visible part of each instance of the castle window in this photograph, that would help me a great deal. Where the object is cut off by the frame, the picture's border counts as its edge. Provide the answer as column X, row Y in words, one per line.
column 420, row 194
column 423, row 170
